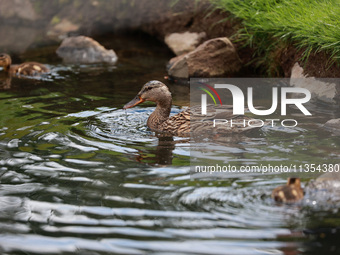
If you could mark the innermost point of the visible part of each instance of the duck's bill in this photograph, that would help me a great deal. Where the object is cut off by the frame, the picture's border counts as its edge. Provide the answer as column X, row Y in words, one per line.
column 137, row 100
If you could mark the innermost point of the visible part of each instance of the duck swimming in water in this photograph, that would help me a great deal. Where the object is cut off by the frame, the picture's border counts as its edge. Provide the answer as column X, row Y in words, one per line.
column 27, row 68
column 289, row 193
column 159, row 120
column 326, row 183
column 179, row 124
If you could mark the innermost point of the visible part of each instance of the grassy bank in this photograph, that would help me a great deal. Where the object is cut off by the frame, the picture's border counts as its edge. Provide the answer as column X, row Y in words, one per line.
column 311, row 25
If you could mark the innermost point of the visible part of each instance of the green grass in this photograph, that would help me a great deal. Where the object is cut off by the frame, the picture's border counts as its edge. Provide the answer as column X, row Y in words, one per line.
column 312, row 25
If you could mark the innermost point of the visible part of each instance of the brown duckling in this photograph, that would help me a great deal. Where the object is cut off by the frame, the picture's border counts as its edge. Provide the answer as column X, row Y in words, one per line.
column 179, row 124
column 27, row 68
column 289, row 193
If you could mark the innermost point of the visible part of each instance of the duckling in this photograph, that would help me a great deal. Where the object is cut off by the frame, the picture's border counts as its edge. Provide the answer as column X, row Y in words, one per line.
column 289, row 193
column 179, row 124
column 27, row 68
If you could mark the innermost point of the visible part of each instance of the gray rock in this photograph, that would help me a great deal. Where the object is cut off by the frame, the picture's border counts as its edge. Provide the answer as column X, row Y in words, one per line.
column 213, row 58
column 333, row 126
column 323, row 89
column 330, row 176
column 178, row 67
column 324, row 190
column 181, row 43
column 85, row 50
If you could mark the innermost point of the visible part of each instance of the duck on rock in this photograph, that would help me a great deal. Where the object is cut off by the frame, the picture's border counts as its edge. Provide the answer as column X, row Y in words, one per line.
column 27, row 68
column 179, row 124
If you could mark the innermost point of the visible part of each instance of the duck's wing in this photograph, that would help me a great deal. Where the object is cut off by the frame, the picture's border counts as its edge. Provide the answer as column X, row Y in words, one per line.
column 192, row 121
column 178, row 125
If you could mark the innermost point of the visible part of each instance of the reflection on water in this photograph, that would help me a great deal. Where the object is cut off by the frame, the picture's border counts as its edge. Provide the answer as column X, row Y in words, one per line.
column 79, row 175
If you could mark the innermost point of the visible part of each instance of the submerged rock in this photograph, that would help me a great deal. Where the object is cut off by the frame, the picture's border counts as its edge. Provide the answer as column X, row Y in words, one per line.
column 181, row 43
column 324, row 90
column 85, row 50
column 213, row 58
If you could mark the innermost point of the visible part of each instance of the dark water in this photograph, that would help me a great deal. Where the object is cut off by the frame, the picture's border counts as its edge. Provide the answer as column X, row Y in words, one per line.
column 79, row 175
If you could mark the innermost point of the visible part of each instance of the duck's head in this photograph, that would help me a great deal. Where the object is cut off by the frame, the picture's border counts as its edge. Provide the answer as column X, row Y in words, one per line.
column 154, row 91
column 5, row 60
column 291, row 192
column 294, row 181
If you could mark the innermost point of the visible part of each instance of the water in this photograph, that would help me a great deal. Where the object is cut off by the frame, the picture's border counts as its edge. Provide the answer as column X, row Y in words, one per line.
column 79, row 175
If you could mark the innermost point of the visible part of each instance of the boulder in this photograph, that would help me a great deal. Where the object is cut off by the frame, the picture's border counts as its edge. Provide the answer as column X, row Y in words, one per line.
column 333, row 126
column 324, row 190
column 213, row 58
column 181, row 43
column 85, row 50
column 326, row 90
column 178, row 67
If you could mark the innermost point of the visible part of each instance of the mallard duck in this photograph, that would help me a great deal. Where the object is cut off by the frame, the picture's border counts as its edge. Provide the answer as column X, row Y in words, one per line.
column 179, row 124
column 27, row 68
column 289, row 193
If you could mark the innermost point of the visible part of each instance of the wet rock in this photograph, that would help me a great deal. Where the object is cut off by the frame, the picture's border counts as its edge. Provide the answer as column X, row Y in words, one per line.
column 333, row 126
column 330, row 176
column 325, row 190
column 178, row 66
column 325, row 90
column 85, row 50
column 181, row 43
column 215, row 57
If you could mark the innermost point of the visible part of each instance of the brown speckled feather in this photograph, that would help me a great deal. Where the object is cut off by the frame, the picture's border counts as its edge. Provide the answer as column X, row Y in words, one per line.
column 29, row 68
column 178, row 124
column 289, row 193
column 190, row 122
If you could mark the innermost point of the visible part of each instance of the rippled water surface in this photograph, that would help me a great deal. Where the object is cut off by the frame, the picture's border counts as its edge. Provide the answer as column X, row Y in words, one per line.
column 79, row 175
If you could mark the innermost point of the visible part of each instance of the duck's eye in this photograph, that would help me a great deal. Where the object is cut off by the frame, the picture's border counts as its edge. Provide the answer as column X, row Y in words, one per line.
column 147, row 88
column 2, row 55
